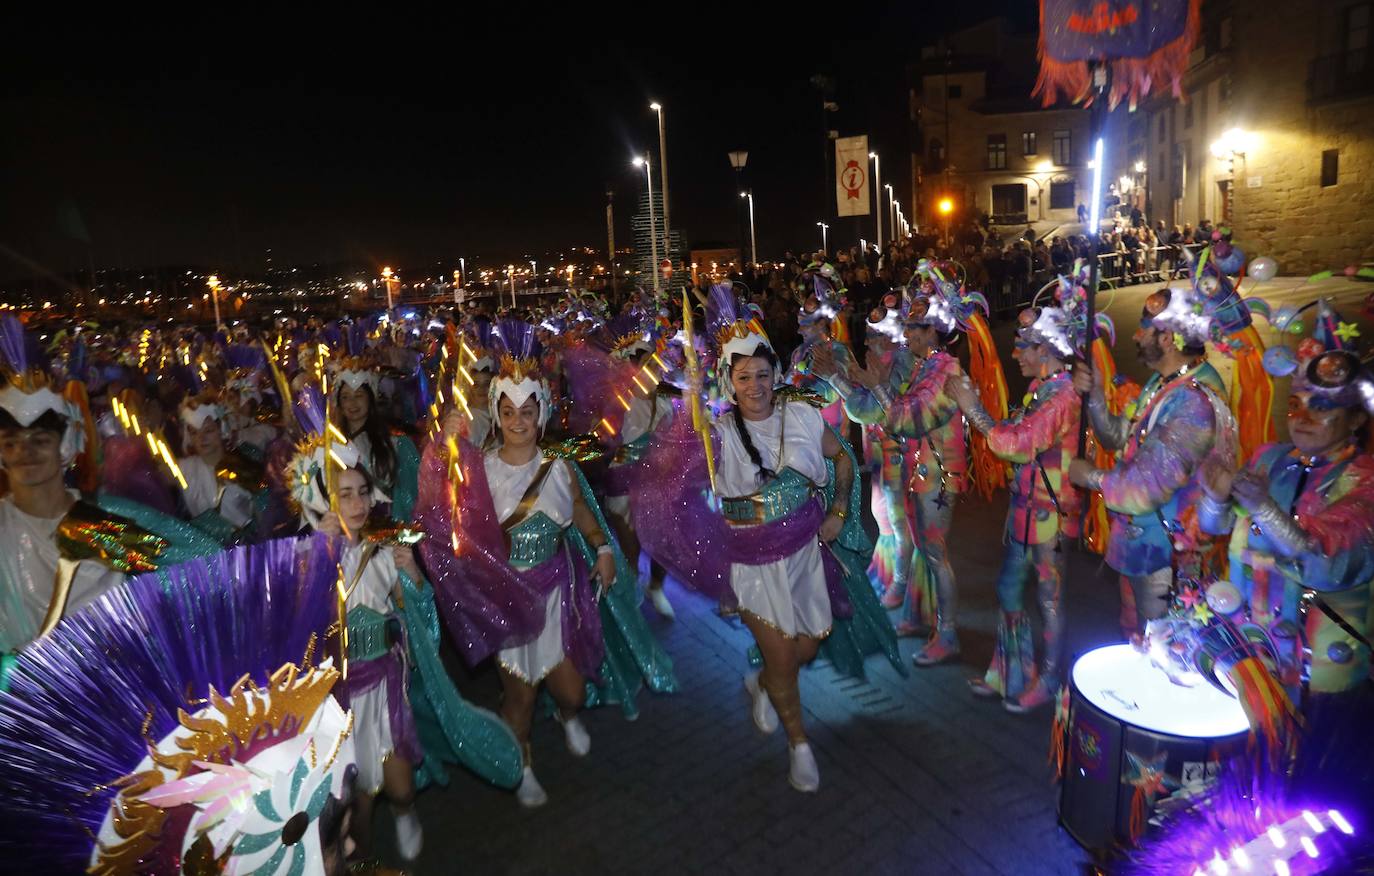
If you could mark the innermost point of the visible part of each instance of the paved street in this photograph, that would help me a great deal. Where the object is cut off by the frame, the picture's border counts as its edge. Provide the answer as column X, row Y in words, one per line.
column 917, row 775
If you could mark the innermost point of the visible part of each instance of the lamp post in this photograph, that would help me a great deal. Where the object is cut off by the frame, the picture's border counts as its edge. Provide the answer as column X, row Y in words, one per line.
column 753, row 242
column 878, row 193
column 663, row 176
column 644, row 161
column 891, row 211
column 388, row 277
column 213, row 282
column 825, row 240
column 738, row 159
column 510, row 272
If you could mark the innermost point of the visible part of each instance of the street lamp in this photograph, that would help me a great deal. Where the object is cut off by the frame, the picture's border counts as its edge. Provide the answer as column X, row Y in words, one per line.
column 753, row 241
column 738, row 158
column 643, row 161
column 388, row 277
column 663, row 176
column 891, row 211
column 825, row 243
column 213, row 282
column 510, row 274
column 878, row 192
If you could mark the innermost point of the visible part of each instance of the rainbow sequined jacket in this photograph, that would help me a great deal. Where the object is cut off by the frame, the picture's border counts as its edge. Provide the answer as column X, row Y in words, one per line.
column 1040, row 438
column 1332, row 501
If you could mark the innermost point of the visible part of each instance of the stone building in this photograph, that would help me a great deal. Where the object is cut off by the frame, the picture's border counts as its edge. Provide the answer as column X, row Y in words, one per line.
column 1275, row 136
column 981, row 139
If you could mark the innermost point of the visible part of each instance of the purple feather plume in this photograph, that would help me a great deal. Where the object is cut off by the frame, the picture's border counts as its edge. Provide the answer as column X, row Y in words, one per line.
column 74, row 719
column 12, row 344
column 310, row 410
column 722, row 309
column 516, row 338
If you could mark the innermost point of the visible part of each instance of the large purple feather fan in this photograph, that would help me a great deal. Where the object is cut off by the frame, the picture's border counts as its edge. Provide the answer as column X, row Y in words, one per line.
column 309, row 409
column 85, row 699
column 249, row 356
column 722, row 308
column 13, row 344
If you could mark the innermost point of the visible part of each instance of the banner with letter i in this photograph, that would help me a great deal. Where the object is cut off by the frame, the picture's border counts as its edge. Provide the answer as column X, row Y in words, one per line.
column 851, row 176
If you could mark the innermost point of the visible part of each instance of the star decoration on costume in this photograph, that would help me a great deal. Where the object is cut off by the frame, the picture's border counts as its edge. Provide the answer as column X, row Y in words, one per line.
column 1202, row 613
column 941, row 501
column 1148, row 776
column 1189, row 597
column 1347, row 331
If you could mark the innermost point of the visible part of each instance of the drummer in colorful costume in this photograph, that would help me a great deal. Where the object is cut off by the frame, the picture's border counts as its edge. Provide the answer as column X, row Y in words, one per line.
column 1301, row 514
column 1179, row 419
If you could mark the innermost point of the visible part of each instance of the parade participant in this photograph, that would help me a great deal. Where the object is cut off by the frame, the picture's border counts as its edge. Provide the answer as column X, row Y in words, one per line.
column 525, row 568
column 481, row 368
column 244, row 397
column 1039, row 440
column 391, row 456
column 1301, row 514
column 774, row 547
column 924, row 417
column 221, row 484
column 202, row 735
column 1179, row 419
column 821, row 302
column 889, row 357
column 392, row 626
column 60, row 550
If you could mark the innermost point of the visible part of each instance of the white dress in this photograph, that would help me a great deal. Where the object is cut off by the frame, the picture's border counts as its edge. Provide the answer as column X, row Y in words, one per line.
column 536, row 659
column 790, row 594
column 371, row 720
column 28, row 570
column 203, row 493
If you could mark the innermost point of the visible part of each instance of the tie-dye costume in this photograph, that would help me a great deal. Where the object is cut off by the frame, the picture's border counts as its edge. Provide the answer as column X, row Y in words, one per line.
column 803, row 377
column 886, row 457
column 925, row 421
column 1332, row 502
column 1039, row 439
column 1153, row 492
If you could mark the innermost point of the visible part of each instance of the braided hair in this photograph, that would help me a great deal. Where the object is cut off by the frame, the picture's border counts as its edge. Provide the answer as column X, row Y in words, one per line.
column 762, row 351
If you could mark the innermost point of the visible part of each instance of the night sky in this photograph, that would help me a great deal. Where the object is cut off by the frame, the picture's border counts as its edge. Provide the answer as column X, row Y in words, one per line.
column 419, row 141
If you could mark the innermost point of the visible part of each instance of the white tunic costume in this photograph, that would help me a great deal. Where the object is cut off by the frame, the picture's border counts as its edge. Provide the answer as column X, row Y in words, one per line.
column 28, row 570
column 203, row 493
column 371, row 720
column 536, row 659
column 789, row 594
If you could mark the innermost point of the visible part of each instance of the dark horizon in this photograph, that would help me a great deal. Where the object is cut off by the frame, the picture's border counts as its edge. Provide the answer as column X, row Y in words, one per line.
column 494, row 141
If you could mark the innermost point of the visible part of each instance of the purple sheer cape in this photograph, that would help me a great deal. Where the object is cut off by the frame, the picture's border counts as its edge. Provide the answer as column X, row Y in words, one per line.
column 593, row 378
column 486, row 604
column 677, row 525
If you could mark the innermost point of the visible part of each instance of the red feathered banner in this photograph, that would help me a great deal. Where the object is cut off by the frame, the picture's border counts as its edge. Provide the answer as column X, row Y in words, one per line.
column 1144, row 43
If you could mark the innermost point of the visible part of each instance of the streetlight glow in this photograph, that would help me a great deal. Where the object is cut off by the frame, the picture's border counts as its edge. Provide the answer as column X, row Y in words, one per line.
column 655, row 106
column 946, row 206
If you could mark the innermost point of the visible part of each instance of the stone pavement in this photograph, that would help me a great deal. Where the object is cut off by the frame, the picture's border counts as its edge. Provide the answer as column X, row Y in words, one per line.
column 917, row 776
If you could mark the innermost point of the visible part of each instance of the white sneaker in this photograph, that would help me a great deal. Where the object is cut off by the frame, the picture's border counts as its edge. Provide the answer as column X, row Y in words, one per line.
column 661, row 603
column 803, row 773
column 410, row 836
column 765, row 716
column 578, row 739
column 530, row 793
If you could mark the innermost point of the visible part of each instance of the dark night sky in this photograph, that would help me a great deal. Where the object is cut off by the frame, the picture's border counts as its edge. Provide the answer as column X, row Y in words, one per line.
column 430, row 139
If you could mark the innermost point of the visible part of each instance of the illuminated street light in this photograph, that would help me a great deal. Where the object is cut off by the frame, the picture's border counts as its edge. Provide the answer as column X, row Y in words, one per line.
column 643, row 161
column 753, row 241
column 663, row 174
column 825, row 241
column 213, row 282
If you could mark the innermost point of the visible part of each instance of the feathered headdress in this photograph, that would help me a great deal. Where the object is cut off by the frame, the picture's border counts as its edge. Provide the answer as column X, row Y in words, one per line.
column 519, row 376
column 1327, row 364
column 28, row 393
column 734, row 335
column 1208, row 308
column 198, row 735
column 1064, row 325
column 479, row 333
column 819, row 293
column 936, row 297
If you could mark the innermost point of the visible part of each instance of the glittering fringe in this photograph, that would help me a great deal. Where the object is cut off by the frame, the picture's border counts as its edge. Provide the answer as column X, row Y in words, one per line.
column 1131, row 78
column 1097, row 528
column 988, row 473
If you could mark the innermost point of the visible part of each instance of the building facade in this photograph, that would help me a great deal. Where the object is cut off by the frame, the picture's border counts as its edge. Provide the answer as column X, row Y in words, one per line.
column 984, row 143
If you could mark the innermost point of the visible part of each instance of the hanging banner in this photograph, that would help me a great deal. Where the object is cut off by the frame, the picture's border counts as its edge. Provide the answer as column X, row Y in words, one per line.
column 851, row 176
